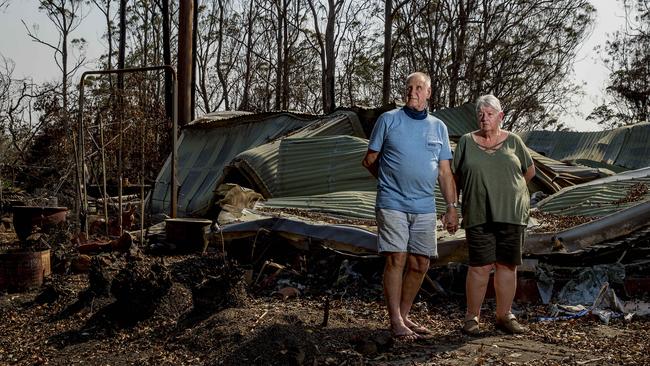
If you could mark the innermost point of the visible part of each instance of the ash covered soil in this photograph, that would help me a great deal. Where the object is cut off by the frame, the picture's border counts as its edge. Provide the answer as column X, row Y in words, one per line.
column 201, row 310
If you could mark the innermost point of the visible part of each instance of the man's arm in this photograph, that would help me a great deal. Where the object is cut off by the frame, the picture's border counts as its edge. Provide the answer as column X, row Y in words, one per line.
column 371, row 162
column 448, row 189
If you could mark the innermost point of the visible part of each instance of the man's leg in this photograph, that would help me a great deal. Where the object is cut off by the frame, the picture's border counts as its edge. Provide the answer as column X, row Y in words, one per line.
column 416, row 270
column 393, row 272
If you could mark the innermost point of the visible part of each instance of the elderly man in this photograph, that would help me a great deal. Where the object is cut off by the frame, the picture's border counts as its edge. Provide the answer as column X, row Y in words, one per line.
column 409, row 150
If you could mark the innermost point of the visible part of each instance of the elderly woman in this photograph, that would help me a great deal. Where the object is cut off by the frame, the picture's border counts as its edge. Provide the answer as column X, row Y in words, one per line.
column 492, row 167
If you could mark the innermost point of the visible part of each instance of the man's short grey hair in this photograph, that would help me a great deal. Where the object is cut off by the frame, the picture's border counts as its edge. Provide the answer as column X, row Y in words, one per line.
column 488, row 100
column 427, row 78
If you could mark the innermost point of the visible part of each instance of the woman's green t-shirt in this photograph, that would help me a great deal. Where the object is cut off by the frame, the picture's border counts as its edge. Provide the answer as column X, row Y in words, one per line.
column 493, row 184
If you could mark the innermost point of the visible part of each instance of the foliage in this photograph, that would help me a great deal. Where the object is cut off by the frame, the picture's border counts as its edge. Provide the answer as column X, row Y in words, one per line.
column 628, row 58
column 304, row 55
column 521, row 51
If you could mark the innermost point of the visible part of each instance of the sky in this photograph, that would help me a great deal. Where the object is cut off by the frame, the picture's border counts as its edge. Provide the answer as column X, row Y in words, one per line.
column 36, row 61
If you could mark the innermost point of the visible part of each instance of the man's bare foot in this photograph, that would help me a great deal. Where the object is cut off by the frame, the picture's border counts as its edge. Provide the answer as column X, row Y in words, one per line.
column 400, row 331
column 418, row 329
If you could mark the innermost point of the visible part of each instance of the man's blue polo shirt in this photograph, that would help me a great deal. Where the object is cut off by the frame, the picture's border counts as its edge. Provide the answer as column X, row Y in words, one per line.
column 408, row 161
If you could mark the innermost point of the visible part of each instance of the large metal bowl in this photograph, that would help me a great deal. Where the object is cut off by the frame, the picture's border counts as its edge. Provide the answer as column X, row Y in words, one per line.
column 25, row 217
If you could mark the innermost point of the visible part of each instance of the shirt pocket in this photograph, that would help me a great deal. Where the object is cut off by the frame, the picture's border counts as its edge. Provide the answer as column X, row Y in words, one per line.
column 433, row 145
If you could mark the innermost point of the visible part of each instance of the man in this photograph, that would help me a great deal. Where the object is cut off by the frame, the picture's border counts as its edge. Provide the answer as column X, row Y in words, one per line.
column 407, row 151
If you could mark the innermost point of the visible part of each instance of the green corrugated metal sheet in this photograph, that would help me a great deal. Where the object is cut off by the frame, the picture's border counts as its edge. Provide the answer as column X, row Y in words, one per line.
column 337, row 123
column 626, row 146
column 635, row 152
column 459, row 120
column 554, row 175
column 596, row 198
column 356, row 204
column 260, row 164
column 303, row 166
column 204, row 152
column 319, row 165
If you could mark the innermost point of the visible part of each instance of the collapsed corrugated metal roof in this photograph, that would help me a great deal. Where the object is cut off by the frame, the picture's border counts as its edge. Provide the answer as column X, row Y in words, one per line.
column 625, row 147
column 350, row 204
column 307, row 166
column 204, row 149
column 309, row 169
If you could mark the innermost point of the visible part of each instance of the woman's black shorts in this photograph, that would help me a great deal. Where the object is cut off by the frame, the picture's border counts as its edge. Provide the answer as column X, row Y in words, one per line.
column 495, row 242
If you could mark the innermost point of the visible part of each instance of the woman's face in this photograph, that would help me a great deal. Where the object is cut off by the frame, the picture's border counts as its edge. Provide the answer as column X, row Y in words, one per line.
column 489, row 119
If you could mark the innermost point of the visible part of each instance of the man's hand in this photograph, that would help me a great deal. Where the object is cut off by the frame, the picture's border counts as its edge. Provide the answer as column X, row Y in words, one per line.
column 448, row 189
column 371, row 162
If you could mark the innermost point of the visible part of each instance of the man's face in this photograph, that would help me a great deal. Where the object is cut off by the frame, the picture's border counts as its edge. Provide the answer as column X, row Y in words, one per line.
column 417, row 93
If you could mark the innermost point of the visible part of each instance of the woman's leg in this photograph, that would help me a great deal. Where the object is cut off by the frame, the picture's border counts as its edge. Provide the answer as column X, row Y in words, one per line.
column 475, row 287
column 505, row 285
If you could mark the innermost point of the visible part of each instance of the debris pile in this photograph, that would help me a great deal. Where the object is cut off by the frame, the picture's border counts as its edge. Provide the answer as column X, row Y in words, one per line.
column 139, row 287
column 548, row 222
column 317, row 216
column 214, row 285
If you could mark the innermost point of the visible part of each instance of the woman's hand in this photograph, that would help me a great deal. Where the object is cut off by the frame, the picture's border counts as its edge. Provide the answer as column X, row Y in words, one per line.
column 450, row 220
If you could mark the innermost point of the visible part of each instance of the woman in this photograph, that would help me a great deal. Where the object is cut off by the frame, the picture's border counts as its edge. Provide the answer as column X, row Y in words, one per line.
column 492, row 167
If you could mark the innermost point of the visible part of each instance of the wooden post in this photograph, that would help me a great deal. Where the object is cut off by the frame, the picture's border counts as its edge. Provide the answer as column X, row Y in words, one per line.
column 184, row 61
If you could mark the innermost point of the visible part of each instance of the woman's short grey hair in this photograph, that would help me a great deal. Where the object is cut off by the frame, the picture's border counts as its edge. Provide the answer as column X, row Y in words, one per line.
column 488, row 100
column 427, row 78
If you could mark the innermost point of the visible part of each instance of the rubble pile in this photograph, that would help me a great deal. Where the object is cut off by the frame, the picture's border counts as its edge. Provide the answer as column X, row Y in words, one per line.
column 139, row 287
column 215, row 285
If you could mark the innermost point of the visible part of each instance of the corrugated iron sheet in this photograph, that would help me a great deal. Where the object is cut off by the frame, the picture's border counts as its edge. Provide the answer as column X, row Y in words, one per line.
column 459, row 120
column 555, row 175
column 626, row 146
column 635, row 152
column 597, row 198
column 260, row 164
column 302, row 168
column 358, row 204
column 207, row 148
column 319, row 165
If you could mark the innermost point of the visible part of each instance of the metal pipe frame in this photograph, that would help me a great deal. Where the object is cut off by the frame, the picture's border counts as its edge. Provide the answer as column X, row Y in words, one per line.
column 81, row 173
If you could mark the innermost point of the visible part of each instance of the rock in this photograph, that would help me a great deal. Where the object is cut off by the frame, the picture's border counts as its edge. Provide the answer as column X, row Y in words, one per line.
column 287, row 293
column 81, row 264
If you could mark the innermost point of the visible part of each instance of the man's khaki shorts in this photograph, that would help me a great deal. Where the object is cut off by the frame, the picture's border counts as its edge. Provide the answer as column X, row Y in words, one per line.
column 401, row 232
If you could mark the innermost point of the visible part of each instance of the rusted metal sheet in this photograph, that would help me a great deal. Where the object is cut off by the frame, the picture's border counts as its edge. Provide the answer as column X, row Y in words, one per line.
column 21, row 269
